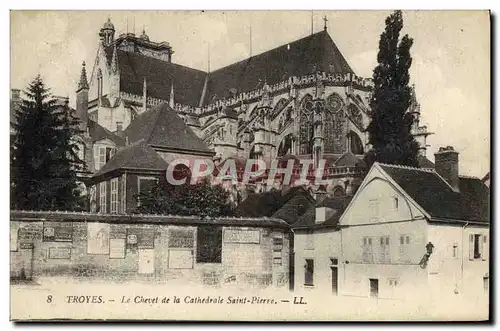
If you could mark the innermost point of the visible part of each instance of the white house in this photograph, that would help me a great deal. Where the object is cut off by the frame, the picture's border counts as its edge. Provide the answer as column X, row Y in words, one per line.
column 407, row 232
column 414, row 232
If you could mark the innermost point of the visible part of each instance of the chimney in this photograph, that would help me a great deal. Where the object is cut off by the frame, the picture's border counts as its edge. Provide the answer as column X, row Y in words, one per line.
column 446, row 162
column 320, row 215
column 82, row 99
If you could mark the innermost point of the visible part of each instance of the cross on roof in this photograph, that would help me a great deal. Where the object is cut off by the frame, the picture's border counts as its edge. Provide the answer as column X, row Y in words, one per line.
column 325, row 20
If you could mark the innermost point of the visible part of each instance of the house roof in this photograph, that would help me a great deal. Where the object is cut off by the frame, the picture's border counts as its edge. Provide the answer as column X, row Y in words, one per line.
column 135, row 156
column 348, row 159
column 438, row 199
column 424, row 162
column 162, row 127
column 159, row 75
column 297, row 58
column 486, row 177
column 98, row 132
column 267, row 203
column 335, row 208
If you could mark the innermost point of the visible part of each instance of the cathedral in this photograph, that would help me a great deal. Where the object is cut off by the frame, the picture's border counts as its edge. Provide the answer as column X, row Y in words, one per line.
column 300, row 100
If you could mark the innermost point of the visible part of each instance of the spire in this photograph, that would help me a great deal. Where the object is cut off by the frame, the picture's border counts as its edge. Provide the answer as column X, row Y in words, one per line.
column 171, row 103
column 114, row 60
column 83, row 83
column 326, row 21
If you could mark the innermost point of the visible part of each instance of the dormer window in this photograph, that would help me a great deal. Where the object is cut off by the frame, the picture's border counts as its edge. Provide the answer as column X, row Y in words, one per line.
column 102, row 155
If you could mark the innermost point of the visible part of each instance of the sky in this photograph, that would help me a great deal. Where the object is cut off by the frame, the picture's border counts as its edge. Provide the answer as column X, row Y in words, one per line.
column 450, row 69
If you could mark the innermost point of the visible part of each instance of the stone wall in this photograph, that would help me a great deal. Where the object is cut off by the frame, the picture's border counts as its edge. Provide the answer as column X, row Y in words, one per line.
column 145, row 252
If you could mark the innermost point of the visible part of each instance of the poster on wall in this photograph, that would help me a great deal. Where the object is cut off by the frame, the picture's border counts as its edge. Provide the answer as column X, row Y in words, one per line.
column 13, row 238
column 237, row 236
column 140, row 237
column 117, row 248
column 59, row 253
column 57, row 232
column 98, row 238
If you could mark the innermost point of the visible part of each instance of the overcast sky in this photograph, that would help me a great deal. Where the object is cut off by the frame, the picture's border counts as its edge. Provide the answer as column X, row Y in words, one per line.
column 451, row 55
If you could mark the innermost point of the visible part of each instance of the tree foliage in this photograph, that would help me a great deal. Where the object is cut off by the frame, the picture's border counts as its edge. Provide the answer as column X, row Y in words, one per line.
column 201, row 199
column 390, row 127
column 44, row 153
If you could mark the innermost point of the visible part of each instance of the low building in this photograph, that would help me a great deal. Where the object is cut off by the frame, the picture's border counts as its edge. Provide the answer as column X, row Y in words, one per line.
column 317, row 246
column 417, row 232
column 85, row 247
column 407, row 232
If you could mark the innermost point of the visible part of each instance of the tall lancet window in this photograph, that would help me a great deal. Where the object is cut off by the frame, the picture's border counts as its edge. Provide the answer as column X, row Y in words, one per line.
column 334, row 124
column 306, row 130
column 99, row 84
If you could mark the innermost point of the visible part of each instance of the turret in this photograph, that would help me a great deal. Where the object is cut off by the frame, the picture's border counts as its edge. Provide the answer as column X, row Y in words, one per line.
column 107, row 33
column 82, row 99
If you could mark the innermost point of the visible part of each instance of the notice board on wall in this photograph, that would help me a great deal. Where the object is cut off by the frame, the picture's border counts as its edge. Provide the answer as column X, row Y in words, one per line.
column 98, row 238
column 241, row 236
column 117, row 248
column 57, row 232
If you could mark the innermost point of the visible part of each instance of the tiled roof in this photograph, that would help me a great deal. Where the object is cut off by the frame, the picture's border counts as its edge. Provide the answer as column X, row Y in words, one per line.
column 297, row 58
column 424, row 162
column 300, row 57
column 335, row 207
column 162, row 127
column 266, row 203
column 98, row 132
column 134, row 67
column 134, row 156
column 438, row 199
column 348, row 159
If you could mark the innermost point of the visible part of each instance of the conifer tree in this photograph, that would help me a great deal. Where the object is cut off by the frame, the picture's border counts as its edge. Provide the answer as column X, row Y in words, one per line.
column 390, row 127
column 44, row 158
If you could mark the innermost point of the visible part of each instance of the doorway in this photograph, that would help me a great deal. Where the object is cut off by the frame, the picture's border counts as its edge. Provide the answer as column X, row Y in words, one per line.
column 373, row 288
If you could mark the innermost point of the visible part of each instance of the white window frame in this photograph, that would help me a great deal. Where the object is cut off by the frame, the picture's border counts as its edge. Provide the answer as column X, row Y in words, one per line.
column 102, row 197
column 114, row 196
column 367, row 250
column 124, row 193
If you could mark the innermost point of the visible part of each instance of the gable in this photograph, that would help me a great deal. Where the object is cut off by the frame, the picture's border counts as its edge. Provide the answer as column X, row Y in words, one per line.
column 379, row 201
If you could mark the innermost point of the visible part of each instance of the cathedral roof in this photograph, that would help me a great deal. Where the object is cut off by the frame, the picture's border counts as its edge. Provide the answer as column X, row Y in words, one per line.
column 300, row 57
column 316, row 52
column 162, row 127
column 159, row 75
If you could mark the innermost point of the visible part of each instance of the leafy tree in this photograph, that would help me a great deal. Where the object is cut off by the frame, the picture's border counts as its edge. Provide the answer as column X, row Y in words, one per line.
column 202, row 199
column 44, row 158
column 390, row 127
